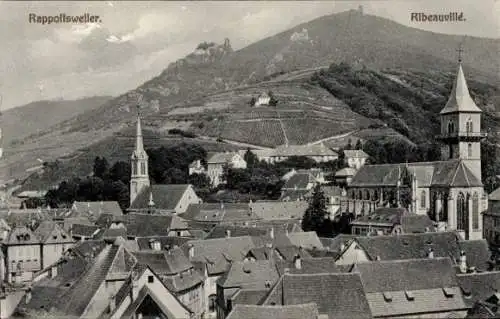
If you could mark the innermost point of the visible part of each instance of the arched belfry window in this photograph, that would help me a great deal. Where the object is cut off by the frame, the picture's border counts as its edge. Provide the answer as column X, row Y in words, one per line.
column 143, row 168
column 469, row 150
column 468, row 126
column 451, row 126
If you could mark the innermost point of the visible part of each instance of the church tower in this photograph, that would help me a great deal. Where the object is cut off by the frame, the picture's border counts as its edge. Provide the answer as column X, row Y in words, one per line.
column 461, row 126
column 139, row 161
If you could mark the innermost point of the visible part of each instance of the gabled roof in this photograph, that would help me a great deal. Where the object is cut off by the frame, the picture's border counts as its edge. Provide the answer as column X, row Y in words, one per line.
column 50, row 232
column 221, row 231
column 323, row 265
column 83, row 230
column 219, row 212
column 304, row 311
column 142, row 225
column 306, row 240
column 495, row 195
column 299, row 181
column 460, row 99
column 166, row 197
column 383, row 215
column 414, row 223
column 144, row 243
column 223, row 158
column 21, row 236
column 338, row 295
column 346, row 172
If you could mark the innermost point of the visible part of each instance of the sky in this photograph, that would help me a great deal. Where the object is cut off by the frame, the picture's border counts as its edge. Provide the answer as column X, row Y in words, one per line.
column 135, row 41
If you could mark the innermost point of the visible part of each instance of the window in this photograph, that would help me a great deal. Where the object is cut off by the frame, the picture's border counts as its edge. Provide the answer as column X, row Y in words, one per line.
column 422, row 199
column 211, row 303
column 469, row 150
column 451, row 127
column 151, row 279
column 134, row 170
column 475, row 211
column 468, row 126
column 143, row 168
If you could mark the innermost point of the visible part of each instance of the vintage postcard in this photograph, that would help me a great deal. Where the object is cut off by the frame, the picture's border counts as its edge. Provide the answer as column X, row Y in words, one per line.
column 250, row 159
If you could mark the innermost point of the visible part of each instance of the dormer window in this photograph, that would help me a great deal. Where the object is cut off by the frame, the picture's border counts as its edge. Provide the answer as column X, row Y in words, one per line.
column 448, row 292
column 387, row 296
column 409, row 295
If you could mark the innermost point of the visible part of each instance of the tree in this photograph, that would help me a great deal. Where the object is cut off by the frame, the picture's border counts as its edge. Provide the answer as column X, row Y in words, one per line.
column 349, row 145
column 174, row 175
column 272, row 101
column 250, row 158
column 101, row 167
column 316, row 216
column 359, row 145
column 120, row 171
column 252, row 102
column 199, row 181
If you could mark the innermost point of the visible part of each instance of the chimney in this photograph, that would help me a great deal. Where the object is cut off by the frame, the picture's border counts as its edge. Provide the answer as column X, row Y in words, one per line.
column 463, row 262
column 228, row 233
column 431, row 253
column 298, row 262
column 112, row 304
column 342, row 246
column 191, row 251
column 271, row 233
column 53, row 271
column 28, row 295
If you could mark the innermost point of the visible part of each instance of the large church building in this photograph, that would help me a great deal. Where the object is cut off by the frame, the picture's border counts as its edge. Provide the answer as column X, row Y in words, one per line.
column 450, row 191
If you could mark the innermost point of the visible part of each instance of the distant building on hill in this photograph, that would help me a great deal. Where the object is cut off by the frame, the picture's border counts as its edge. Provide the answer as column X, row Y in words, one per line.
column 217, row 162
column 196, row 167
column 355, row 158
column 263, row 99
column 317, row 152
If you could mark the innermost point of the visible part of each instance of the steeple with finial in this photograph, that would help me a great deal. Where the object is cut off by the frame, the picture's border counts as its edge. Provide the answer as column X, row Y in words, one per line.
column 461, row 124
column 139, row 180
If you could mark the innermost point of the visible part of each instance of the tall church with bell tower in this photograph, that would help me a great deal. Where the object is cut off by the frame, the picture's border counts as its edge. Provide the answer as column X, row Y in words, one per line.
column 139, row 163
column 461, row 126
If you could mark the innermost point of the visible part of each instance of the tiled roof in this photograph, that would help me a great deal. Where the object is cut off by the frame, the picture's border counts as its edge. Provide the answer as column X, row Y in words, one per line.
column 219, row 253
column 323, row 265
column 249, row 296
column 356, row 153
column 306, row 240
column 417, row 246
column 299, row 181
column 413, row 223
column 218, row 212
column 479, row 286
column 477, row 253
column 290, row 252
column 295, row 194
column 460, row 99
column 275, row 210
column 169, row 262
column 250, row 275
column 97, row 208
column 165, row 197
column 144, row 243
column 495, row 195
column 451, row 173
column 50, row 233
column 88, row 248
column 336, row 295
column 221, row 231
column 346, row 171
column 21, row 236
column 143, row 225
column 335, row 243
column 407, row 287
column 304, row 311
column 382, row 215
column 222, row 158
column 83, row 230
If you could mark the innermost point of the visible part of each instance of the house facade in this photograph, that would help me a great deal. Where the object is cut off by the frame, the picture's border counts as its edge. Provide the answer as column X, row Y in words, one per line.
column 217, row 162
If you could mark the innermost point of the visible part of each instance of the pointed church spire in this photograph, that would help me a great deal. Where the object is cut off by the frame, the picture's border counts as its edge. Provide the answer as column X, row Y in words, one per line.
column 151, row 202
column 139, row 144
column 460, row 99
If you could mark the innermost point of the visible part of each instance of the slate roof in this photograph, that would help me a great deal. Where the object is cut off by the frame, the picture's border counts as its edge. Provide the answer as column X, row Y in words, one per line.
column 275, row 210
column 416, row 246
column 336, row 295
column 452, row 173
column 356, row 154
column 478, row 286
column 460, row 99
column 249, row 274
column 219, row 253
column 407, row 287
column 304, row 311
column 165, row 197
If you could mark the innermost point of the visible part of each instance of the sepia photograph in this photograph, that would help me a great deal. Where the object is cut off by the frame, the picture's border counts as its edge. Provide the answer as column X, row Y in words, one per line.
column 250, row 159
